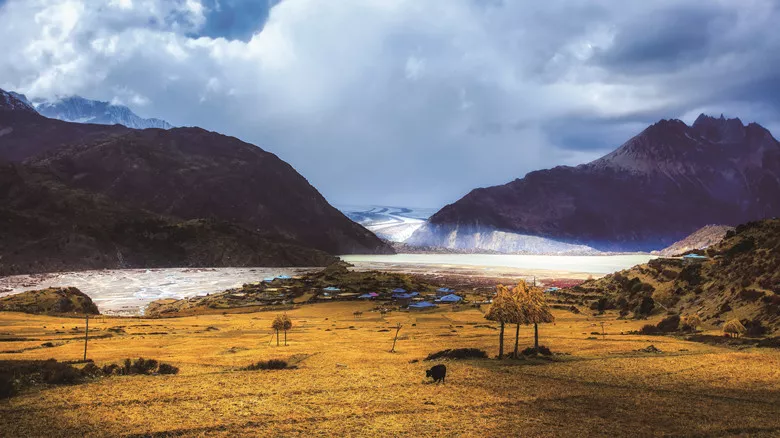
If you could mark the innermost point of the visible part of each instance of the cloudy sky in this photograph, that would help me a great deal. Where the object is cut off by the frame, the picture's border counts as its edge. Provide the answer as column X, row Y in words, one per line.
column 405, row 102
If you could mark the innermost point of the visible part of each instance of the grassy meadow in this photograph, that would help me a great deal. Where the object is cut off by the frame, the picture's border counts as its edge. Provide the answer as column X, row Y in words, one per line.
column 348, row 383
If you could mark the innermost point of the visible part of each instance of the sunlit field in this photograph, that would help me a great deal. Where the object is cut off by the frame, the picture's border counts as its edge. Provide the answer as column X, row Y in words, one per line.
column 348, row 383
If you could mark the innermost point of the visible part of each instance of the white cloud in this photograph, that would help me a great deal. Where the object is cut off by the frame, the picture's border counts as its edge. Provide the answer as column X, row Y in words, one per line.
column 402, row 101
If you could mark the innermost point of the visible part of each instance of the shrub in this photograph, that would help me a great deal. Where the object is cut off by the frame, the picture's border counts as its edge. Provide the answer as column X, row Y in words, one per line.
column 691, row 322
column 7, row 388
column 143, row 366
column 649, row 329
column 669, row 324
column 56, row 373
column 645, row 307
column 531, row 351
column 167, row 369
column 458, row 353
column 91, row 371
column 271, row 364
column 754, row 328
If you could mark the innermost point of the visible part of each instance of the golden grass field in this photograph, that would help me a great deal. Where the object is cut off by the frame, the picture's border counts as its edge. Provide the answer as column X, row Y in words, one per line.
column 349, row 384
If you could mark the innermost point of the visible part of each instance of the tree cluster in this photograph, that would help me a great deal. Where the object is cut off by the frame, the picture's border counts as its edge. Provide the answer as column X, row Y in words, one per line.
column 521, row 305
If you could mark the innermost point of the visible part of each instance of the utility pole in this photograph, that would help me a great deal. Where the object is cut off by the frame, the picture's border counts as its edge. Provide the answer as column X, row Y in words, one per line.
column 86, row 336
column 397, row 329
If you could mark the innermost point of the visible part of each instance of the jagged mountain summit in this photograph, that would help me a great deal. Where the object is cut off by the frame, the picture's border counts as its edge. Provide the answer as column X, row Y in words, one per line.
column 80, row 110
column 196, row 197
column 652, row 191
column 14, row 101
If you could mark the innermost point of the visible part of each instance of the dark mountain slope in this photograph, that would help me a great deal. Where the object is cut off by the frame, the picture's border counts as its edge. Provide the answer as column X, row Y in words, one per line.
column 657, row 188
column 46, row 226
column 188, row 173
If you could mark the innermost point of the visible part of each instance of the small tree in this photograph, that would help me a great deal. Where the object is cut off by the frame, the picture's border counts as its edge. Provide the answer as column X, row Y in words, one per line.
column 692, row 321
column 734, row 328
column 277, row 325
column 536, row 310
column 286, row 325
column 518, row 311
column 501, row 311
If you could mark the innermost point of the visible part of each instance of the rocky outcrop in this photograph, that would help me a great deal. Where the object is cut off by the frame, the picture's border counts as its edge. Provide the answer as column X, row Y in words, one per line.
column 51, row 301
column 654, row 190
column 702, row 238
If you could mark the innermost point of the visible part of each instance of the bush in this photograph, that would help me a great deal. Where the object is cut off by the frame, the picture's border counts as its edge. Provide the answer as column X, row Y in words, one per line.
column 669, row 324
column 754, row 328
column 56, row 373
column 531, row 351
column 142, row 366
column 91, row 371
column 649, row 329
column 167, row 369
column 458, row 353
column 646, row 307
column 7, row 388
column 271, row 364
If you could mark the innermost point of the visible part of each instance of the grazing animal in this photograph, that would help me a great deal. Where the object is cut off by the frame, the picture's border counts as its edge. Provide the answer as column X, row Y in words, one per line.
column 438, row 372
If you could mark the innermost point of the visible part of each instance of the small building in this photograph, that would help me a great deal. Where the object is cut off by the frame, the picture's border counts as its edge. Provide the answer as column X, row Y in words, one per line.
column 283, row 277
column 442, row 291
column 399, row 290
column 552, row 289
column 451, row 298
column 331, row 289
column 694, row 258
column 268, row 280
column 369, row 296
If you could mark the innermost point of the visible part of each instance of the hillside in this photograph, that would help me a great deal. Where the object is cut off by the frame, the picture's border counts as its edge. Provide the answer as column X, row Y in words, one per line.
column 654, row 190
column 740, row 279
column 186, row 174
column 702, row 238
column 46, row 226
column 51, row 301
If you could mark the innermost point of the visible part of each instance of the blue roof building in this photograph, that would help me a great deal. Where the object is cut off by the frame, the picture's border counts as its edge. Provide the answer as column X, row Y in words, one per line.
column 398, row 290
column 331, row 289
column 451, row 298
column 283, row 277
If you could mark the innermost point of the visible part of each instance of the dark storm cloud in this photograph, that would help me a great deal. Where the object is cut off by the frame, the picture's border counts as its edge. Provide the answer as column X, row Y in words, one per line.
column 406, row 102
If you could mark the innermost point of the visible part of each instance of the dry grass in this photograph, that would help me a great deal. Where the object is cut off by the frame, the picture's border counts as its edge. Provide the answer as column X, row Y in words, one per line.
column 604, row 387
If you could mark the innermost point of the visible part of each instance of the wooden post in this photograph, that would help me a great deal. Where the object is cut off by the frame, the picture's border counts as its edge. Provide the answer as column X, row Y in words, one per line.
column 603, row 335
column 86, row 336
column 397, row 329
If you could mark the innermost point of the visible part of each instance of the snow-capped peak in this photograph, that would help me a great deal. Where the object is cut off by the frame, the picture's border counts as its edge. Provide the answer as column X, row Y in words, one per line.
column 80, row 110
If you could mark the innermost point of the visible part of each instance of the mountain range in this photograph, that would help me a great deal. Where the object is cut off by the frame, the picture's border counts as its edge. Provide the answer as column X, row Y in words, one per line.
column 657, row 188
column 80, row 110
column 102, row 196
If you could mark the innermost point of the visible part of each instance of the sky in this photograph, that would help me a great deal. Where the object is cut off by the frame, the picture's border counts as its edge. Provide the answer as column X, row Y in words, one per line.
column 405, row 102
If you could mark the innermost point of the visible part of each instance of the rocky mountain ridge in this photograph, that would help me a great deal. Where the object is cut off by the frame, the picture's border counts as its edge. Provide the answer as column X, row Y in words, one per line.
column 657, row 188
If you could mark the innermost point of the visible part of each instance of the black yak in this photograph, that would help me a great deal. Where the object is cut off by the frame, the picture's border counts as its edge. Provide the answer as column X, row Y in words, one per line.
column 438, row 372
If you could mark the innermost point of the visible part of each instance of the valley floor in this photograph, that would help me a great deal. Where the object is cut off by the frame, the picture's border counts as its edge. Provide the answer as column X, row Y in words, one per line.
column 349, row 384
